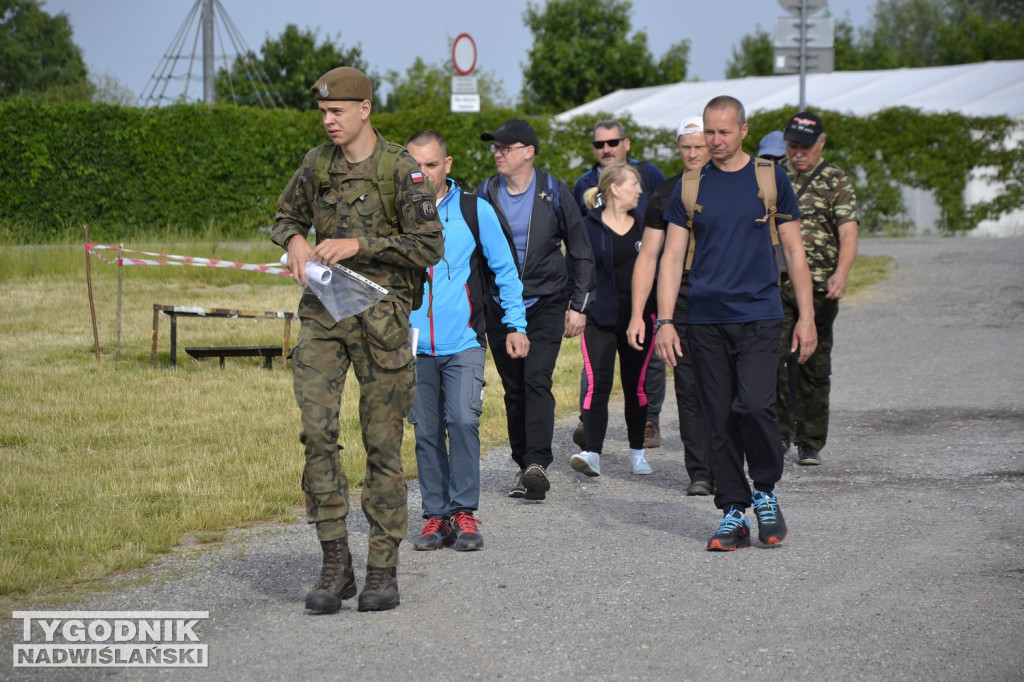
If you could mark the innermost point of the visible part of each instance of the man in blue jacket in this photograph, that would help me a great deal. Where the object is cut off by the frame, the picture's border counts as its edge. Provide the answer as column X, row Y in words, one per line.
column 450, row 351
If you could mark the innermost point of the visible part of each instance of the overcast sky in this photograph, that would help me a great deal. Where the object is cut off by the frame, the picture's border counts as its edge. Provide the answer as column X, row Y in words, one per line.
column 127, row 39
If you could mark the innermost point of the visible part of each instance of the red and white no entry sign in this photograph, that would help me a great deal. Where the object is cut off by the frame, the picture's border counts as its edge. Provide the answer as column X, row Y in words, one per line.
column 464, row 54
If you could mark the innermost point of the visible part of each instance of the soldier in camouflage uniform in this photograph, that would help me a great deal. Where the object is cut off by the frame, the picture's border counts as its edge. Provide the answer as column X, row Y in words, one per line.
column 828, row 222
column 345, row 207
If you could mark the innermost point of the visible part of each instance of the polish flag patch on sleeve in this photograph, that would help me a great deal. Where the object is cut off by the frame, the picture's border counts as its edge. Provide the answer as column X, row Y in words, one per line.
column 417, row 177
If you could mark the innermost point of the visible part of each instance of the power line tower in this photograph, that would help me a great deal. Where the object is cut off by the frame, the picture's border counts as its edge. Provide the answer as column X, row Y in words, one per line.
column 195, row 43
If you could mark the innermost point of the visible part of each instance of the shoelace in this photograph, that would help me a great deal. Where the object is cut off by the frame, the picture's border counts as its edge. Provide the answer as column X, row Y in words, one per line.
column 432, row 526
column 466, row 522
column 730, row 522
column 376, row 577
column 765, row 508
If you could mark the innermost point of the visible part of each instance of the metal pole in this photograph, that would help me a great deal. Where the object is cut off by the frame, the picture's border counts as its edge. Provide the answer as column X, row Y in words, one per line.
column 92, row 303
column 803, row 54
column 120, row 283
column 207, row 19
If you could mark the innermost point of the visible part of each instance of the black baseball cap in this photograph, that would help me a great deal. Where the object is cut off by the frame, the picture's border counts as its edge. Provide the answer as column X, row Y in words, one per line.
column 804, row 128
column 512, row 131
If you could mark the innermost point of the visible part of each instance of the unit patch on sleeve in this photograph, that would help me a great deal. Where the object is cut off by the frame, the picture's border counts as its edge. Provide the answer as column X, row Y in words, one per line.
column 427, row 209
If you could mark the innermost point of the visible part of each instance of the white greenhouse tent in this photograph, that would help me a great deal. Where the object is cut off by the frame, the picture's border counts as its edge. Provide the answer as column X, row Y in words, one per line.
column 981, row 89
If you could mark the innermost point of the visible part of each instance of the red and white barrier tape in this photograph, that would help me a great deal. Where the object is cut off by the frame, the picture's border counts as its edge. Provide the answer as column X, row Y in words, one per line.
column 172, row 259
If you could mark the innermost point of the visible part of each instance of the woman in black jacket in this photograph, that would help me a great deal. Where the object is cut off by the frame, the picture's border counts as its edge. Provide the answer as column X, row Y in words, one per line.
column 615, row 231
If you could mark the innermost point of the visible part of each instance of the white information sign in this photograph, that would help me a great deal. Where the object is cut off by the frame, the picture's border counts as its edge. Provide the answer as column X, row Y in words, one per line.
column 465, row 104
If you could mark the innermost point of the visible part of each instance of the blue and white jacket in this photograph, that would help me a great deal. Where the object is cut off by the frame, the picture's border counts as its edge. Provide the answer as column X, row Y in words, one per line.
column 450, row 319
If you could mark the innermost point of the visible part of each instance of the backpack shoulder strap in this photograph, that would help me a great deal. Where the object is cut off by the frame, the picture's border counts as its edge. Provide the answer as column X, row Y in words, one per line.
column 467, row 202
column 768, row 191
column 322, row 165
column 386, row 181
column 691, row 183
column 551, row 188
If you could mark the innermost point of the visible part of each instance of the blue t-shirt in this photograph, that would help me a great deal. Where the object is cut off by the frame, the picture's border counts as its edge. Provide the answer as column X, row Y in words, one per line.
column 518, row 209
column 734, row 278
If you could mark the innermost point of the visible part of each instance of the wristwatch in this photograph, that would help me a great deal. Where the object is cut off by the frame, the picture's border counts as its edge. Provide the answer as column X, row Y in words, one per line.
column 661, row 323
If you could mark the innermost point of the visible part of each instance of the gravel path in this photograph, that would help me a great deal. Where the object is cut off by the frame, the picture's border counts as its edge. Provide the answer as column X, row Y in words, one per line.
column 904, row 558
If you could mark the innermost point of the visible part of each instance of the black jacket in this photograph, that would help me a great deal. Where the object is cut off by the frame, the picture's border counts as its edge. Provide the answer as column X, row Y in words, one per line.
column 544, row 273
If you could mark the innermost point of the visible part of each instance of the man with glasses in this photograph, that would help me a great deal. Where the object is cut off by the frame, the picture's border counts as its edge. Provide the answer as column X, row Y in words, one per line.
column 611, row 145
column 537, row 215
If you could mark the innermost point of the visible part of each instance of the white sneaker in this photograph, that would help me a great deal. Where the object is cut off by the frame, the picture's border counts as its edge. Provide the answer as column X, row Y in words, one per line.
column 588, row 463
column 640, row 465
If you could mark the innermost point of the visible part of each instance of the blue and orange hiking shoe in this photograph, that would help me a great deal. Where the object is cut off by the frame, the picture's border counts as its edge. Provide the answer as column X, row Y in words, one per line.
column 771, row 527
column 466, row 535
column 733, row 532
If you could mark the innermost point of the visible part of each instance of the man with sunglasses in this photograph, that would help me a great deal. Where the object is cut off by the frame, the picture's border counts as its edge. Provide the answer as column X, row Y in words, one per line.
column 611, row 145
column 537, row 216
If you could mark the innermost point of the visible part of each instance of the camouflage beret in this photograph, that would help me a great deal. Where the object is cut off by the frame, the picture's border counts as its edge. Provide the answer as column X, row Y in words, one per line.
column 343, row 83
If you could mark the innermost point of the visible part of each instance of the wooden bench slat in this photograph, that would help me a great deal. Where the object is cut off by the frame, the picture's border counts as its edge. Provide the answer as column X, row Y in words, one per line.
column 221, row 352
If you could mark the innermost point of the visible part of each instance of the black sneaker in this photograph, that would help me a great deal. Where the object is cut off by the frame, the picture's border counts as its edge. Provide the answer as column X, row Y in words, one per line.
column 579, row 436
column 733, row 532
column 771, row 527
column 518, row 489
column 467, row 536
column 700, row 488
column 435, row 535
column 786, row 443
column 535, row 480
column 808, row 456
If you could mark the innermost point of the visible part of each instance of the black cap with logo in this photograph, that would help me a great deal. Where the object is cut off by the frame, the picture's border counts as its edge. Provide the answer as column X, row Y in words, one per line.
column 804, row 128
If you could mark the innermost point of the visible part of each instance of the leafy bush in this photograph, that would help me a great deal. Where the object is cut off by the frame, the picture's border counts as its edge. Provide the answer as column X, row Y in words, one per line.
column 190, row 169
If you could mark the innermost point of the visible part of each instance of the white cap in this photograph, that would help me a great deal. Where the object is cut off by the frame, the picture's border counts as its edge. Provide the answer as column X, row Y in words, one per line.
column 692, row 124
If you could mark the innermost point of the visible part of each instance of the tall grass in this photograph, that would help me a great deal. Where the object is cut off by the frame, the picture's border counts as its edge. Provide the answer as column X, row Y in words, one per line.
column 104, row 465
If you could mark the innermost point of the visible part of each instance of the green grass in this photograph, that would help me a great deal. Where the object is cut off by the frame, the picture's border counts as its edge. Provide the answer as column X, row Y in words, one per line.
column 105, row 465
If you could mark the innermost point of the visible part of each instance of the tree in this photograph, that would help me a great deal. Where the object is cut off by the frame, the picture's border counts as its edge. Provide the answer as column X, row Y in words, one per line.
column 582, row 50
column 754, row 56
column 427, row 86
column 38, row 51
column 289, row 66
column 673, row 64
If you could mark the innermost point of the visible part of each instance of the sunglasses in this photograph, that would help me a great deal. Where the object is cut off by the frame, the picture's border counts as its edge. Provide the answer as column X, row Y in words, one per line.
column 613, row 143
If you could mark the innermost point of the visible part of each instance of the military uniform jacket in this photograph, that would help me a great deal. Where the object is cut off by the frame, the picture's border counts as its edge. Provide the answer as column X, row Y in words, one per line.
column 351, row 207
column 825, row 204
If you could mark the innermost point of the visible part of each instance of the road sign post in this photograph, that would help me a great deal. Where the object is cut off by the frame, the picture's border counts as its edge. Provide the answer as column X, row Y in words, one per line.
column 814, row 42
column 465, row 89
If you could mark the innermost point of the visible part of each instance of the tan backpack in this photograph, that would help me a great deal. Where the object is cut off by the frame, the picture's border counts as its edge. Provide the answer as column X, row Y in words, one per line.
column 767, row 191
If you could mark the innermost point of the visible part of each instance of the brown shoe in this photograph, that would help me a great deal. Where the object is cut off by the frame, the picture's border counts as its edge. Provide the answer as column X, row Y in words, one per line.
column 652, row 435
column 337, row 579
column 380, row 592
column 535, row 480
column 579, row 436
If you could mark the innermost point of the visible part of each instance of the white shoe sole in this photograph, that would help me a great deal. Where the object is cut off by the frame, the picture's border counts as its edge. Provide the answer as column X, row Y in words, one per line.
column 581, row 465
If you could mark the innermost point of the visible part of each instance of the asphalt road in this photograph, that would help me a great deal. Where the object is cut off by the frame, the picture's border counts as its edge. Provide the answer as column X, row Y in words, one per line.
column 904, row 558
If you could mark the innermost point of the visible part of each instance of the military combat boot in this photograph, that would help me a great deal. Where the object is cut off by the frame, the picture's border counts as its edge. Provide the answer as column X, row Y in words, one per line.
column 380, row 592
column 337, row 579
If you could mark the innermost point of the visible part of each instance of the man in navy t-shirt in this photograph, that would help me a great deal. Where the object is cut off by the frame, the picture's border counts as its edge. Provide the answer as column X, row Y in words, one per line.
column 734, row 318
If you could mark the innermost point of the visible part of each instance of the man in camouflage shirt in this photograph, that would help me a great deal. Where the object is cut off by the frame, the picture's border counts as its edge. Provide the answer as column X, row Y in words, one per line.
column 340, row 198
column 828, row 222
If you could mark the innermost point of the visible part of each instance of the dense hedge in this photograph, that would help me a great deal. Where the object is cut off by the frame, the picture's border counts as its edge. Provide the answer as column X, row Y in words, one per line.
column 126, row 171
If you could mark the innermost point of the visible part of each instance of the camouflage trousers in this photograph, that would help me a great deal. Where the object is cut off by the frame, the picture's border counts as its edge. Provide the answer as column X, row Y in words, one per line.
column 384, row 366
column 803, row 390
